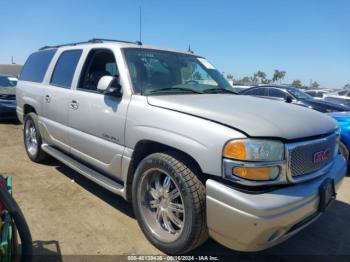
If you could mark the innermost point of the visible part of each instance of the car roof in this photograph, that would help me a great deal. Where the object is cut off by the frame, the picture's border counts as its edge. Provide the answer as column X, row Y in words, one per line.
column 101, row 43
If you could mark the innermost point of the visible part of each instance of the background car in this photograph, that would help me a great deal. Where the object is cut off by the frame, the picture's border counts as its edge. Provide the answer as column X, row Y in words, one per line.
column 8, row 97
column 343, row 119
column 340, row 97
column 294, row 95
column 317, row 93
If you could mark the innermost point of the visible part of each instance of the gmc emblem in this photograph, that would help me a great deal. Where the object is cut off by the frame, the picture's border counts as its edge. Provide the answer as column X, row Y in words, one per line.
column 321, row 156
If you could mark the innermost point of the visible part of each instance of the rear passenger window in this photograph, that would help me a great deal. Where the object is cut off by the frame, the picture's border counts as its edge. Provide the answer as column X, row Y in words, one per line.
column 257, row 92
column 36, row 65
column 63, row 73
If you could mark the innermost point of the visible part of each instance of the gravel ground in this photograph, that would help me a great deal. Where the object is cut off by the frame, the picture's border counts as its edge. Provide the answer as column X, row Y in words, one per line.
column 69, row 215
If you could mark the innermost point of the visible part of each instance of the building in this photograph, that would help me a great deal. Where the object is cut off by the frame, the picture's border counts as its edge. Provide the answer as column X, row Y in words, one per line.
column 10, row 69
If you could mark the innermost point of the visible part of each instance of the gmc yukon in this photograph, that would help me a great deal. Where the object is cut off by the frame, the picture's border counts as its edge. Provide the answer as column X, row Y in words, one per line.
column 165, row 130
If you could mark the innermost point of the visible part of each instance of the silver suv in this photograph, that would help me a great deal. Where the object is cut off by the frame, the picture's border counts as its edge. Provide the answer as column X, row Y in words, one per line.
column 165, row 130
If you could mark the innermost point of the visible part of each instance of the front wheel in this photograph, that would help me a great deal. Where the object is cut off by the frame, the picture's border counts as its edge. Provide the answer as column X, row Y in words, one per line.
column 169, row 204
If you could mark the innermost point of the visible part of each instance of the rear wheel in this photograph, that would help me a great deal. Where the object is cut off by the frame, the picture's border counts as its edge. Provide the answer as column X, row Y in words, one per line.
column 169, row 204
column 32, row 139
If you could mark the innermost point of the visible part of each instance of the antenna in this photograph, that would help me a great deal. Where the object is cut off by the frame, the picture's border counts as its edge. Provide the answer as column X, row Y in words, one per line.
column 189, row 49
column 140, row 18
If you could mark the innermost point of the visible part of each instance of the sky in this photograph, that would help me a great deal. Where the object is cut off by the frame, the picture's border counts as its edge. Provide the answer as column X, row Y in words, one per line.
column 309, row 39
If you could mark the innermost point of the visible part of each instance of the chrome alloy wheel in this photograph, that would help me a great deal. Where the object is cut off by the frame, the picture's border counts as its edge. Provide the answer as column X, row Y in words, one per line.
column 161, row 205
column 31, row 137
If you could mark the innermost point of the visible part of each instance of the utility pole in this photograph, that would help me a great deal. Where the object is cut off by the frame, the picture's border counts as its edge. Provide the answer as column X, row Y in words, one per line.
column 12, row 62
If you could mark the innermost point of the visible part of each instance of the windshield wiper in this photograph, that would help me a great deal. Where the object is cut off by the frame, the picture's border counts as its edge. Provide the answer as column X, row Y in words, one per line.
column 175, row 89
column 217, row 90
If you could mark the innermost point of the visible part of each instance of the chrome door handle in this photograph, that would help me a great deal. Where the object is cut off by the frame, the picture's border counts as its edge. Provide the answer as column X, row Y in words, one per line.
column 74, row 105
column 47, row 98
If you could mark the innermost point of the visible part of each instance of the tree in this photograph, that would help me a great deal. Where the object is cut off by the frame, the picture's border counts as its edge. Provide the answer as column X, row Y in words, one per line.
column 297, row 83
column 230, row 76
column 278, row 75
column 314, row 84
column 245, row 80
column 260, row 77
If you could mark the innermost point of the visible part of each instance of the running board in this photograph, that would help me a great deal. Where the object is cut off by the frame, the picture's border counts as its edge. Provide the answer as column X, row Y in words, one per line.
column 89, row 173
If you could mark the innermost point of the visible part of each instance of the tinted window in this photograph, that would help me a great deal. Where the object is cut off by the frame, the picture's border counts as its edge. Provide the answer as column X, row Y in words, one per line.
column 36, row 65
column 65, row 67
column 257, row 92
column 342, row 93
column 100, row 63
column 7, row 85
column 311, row 93
column 276, row 93
column 318, row 94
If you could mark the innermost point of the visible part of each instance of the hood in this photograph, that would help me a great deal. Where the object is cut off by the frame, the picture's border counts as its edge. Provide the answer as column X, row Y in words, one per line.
column 255, row 117
column 326, row 105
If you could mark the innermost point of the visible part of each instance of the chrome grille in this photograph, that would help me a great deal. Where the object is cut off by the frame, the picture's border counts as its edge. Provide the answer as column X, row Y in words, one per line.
column 301, row 155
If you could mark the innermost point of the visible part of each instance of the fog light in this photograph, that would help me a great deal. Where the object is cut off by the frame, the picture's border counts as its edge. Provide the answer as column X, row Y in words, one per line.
column 257, row 173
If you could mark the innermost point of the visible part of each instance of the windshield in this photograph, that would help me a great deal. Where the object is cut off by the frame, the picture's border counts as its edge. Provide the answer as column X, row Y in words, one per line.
column 299, row 94
column 155, row 72
column 7, row 85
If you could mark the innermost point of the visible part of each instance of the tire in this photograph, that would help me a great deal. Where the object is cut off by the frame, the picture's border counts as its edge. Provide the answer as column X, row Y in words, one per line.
column 33, row 140
column 345, row 153
column 180, row 194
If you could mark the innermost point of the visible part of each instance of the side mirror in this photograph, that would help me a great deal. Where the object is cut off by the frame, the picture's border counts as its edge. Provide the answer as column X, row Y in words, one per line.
column 109, row 85
column 289, row 99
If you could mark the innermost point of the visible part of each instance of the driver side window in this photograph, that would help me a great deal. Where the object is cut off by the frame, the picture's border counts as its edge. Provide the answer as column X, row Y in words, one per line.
column 193, row 72
column 273, row 92
column 99, row 63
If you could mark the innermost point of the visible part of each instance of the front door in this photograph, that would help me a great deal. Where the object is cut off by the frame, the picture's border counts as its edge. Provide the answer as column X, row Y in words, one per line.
column 97, row 121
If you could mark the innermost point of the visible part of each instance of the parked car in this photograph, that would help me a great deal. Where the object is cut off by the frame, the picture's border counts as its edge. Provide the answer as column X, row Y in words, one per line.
column 343, row 119
column 294, row 95
column 7, row 97
column 164, row 130
column 317, row 93
column 340, row 97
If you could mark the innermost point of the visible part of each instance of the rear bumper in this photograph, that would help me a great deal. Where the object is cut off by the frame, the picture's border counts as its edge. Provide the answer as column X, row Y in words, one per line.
column 253, row 222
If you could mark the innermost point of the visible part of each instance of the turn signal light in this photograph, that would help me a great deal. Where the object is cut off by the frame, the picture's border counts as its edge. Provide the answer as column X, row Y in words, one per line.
column 257, row 173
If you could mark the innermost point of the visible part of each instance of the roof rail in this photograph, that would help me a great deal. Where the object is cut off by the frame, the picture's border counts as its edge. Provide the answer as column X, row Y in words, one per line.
column 101, row 40
column 93, row 40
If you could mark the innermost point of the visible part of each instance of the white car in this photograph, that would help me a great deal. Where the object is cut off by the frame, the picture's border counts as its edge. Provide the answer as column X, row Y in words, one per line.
column 317, row 93
column 339, row 97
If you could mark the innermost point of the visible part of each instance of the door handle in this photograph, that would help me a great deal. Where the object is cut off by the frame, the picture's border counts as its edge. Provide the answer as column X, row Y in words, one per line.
column 47, row 98
column 74, row 105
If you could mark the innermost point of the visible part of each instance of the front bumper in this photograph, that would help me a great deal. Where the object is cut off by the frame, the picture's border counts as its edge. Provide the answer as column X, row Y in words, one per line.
column 253, row 222
column 7, row 111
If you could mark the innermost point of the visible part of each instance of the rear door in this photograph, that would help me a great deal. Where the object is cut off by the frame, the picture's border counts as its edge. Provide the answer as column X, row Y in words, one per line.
column 57, row 98
column 97, row 121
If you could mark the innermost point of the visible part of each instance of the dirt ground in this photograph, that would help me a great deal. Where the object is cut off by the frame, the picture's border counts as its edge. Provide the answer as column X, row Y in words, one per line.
column 69, row 215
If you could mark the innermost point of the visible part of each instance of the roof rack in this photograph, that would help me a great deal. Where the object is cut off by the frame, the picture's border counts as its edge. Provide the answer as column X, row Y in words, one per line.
column 93, row 40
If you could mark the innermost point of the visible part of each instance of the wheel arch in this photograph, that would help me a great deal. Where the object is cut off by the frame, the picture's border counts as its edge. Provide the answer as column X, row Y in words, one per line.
column 145, row 148
column 27, row 108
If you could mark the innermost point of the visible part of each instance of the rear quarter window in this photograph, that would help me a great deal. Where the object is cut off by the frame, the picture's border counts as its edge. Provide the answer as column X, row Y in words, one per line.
column 63, row 73
column 36, row 66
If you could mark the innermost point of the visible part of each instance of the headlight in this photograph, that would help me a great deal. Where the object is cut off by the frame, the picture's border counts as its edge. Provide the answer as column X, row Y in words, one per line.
column 254, row 150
